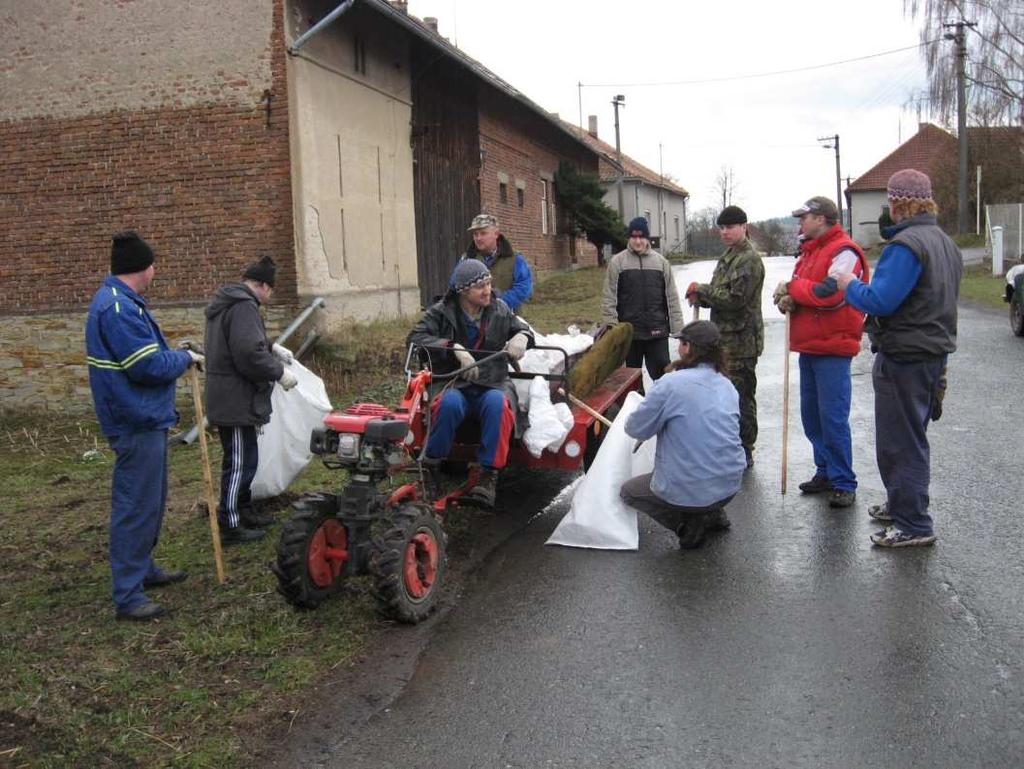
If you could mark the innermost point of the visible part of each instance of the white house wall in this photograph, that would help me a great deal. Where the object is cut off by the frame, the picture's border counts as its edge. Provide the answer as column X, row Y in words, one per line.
column 866, row 207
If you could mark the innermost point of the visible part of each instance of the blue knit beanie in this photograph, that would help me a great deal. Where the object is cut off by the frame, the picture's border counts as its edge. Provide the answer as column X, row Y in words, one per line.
column 639, row 223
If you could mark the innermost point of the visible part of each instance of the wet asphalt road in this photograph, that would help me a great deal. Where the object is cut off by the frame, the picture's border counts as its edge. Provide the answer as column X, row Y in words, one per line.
column 787, row 642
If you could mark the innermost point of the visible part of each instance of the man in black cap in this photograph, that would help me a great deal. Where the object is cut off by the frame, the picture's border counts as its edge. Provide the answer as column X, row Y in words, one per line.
column 699, row 460
column 639, row 289
column 468, row 319
column 734, row 296
column 241, row 371
column 132, row 374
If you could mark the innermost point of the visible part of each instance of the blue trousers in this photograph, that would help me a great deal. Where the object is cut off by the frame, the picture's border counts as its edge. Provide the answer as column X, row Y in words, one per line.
column 825, row 412
column 237, row 470
column 903, row 404
column 137, row 500
column 493, row 410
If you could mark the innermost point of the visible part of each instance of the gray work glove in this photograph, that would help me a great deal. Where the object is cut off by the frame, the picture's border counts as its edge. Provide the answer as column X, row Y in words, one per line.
column 465, row 359
column 287, row 380
column 516, row 346
column 786, row 304
column 198, row 359
column 282, row 353
column 780, row 291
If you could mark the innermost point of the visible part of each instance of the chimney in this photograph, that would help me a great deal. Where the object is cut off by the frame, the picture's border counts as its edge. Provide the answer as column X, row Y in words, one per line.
column 402, row 6
column 592, row 125
column 431, row 22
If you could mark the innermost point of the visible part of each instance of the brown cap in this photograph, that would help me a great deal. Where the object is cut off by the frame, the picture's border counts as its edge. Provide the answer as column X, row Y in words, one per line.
column 701, row 333
column 819, row 206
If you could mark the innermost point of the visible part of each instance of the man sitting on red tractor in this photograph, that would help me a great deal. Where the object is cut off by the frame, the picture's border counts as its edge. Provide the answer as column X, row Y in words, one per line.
column 469, row 317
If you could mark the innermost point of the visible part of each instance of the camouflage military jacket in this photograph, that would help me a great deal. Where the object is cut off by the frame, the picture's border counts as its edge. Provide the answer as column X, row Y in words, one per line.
column 734, row 296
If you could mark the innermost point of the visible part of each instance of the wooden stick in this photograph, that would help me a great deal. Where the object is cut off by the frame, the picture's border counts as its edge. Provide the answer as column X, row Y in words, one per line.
column 577, row 402
column 211, row 501
column 785, row 409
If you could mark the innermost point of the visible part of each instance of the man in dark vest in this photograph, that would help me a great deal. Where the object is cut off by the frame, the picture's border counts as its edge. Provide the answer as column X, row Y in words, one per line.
column 512, row 280
column 826, row 331
column 912, row 323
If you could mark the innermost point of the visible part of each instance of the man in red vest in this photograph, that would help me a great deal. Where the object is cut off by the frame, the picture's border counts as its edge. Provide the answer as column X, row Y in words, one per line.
column 826, row 331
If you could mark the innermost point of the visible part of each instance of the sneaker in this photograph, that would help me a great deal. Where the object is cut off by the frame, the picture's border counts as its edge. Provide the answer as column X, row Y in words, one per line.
column 239, row 535
column 880, row 512
column 893, row 537
column 144, row 612
column 841, row 498
column 163, row 578
column 816, row 485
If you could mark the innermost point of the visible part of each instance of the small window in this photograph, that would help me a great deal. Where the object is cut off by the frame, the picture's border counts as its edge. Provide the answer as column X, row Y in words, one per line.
column 520, row 197
column 647, row 216
column 544, row 206
column 359, row 52
column 503, row 192
column 676, row 220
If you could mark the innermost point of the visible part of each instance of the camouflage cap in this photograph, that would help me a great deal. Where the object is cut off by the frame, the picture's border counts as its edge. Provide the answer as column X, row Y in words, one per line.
column 482, row 221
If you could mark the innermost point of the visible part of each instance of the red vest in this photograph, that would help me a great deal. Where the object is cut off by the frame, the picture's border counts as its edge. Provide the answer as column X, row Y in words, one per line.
column 824, row 325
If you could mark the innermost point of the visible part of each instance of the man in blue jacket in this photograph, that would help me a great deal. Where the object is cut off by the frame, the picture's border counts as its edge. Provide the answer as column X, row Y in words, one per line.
column 512, row 280
column 132, row 374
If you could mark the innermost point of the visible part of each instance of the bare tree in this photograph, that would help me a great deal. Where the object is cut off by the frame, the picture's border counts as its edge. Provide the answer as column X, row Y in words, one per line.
column 725, row 185
column 995, row 55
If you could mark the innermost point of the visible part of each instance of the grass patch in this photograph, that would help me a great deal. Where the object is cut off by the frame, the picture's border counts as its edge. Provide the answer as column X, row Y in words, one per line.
column 979, row 285
column 196, row 690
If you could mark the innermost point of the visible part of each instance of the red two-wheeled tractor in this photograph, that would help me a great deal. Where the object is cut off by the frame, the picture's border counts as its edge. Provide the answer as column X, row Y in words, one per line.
column 396, row 535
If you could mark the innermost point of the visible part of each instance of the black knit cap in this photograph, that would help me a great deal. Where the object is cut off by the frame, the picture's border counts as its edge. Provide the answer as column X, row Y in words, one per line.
column 265, row 271
column 732, row 215
column 129, row 253
column 639, row 223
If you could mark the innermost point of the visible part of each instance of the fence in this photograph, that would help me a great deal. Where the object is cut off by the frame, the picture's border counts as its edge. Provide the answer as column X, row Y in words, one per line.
column 1009, row 216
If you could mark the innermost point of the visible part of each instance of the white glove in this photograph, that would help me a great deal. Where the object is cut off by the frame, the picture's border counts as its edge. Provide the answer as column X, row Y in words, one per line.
column 198, row 359
column 516, row 346
column 288, row 380
column 465, row 359
column 283, row 354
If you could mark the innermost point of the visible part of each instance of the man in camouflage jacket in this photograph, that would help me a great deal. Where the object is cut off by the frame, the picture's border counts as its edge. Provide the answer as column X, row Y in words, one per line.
column 734, row 296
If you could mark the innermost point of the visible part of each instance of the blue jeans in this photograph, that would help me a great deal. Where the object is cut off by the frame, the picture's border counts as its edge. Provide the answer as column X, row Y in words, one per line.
column 825, row 412
column 493, row 410
column 137, row 500
column 903, row 405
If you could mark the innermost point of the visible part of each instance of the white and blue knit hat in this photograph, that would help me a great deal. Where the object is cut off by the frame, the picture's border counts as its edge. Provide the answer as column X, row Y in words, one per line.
column 469, row 273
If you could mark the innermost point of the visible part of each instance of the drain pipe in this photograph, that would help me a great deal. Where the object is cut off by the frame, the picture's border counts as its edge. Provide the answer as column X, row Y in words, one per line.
column 320, row 25
column 313, row 306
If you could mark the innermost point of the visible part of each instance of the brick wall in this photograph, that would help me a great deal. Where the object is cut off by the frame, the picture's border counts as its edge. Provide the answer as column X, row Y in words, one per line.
column 522, row 147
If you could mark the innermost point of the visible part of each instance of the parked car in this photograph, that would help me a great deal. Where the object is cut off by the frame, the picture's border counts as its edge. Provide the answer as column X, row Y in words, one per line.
column 1014, row 295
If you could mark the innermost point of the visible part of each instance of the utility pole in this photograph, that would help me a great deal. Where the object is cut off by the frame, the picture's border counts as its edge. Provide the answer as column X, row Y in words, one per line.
column 616, row 102
column 962, row 216
column 830, row 142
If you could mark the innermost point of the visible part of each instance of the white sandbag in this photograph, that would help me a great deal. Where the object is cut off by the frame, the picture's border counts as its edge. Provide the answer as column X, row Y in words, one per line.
column 598, row 518
column 564, row 414
column 544, row 361
column 546, row 427
column 284, row 441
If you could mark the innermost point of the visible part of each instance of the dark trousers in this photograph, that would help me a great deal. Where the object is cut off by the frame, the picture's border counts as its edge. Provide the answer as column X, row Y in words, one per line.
column 652, row 351
column 137, row 500
column 742, row 373
column 237, row 469
column 903, row 404
column 636, row 492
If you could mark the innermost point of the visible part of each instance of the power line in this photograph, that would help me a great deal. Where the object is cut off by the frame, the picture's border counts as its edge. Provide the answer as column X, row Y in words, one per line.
column 759, row 74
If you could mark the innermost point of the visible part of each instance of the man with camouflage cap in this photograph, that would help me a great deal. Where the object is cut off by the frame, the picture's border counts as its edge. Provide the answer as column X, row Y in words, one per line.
column 734, row 296
column 512, row 280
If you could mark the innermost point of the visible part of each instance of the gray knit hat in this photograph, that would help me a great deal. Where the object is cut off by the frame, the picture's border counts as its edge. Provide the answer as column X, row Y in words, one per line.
column 469, row 273
column 909, row 184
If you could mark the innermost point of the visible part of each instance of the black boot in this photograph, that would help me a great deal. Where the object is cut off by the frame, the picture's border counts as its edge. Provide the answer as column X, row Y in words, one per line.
column 433, row 480
column 239, row 535
column 486, row 488
column 255, row 520
column 691, row 532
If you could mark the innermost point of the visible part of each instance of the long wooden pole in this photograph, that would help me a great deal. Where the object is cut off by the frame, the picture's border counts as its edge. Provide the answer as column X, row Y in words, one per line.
column 211, row 500
column 785, row 409
column 577, row 402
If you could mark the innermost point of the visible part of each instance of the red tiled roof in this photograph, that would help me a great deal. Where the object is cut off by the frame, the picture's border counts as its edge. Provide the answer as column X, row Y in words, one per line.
column 924, row 151
column 631, row 168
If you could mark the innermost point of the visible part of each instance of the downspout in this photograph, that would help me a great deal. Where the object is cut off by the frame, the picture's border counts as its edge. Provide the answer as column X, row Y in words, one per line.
column 325, row 22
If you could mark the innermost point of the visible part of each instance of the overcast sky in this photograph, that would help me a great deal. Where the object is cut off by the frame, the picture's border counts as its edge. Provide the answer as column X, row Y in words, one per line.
column 764, row 128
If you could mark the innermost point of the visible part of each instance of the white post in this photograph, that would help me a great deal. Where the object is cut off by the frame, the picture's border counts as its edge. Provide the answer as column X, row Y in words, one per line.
column 977, row 198
column 997, row 251
column 1020, row 232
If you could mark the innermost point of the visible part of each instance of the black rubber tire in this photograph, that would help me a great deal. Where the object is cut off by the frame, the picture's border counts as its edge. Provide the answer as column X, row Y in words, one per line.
column 402, row 527
column 594, row 441
column 1016, row 316
column 294, row 581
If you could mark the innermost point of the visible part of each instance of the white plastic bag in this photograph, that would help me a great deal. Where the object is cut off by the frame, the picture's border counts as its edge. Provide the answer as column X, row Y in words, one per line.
column 544, row 361
column 284, row 441
column 546, row 427
column 598, row 517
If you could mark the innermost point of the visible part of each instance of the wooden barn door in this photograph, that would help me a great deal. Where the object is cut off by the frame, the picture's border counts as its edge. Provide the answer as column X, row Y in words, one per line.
column 446, row 157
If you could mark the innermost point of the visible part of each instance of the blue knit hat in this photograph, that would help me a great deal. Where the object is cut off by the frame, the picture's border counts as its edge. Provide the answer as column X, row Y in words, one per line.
column 639, row 223
column 469, row 273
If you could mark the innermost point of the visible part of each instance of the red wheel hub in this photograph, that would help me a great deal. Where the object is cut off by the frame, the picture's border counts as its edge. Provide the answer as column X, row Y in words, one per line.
column 420, row 567
column 328, row 551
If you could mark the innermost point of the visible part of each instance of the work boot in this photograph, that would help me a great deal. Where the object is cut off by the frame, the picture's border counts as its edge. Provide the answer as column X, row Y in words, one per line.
column 717, row 521
column 486, row 488
column 163, row 578
column 841, row 498
column 144, row 612
column 239, row 535
column 433, row 480
column 817, row 485
column 691, row 532
column 254, row 520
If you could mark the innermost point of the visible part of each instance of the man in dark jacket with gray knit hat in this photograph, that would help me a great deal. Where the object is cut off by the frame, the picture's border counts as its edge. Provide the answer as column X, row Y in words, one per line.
column 242, row 367
column 469, row 325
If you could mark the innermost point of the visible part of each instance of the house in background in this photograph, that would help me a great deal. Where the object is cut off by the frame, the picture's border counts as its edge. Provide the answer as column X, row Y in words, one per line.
column 644, row 193
column 356, row 160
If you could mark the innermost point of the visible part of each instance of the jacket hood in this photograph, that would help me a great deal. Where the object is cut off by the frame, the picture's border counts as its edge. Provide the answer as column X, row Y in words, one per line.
column 229, row 295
